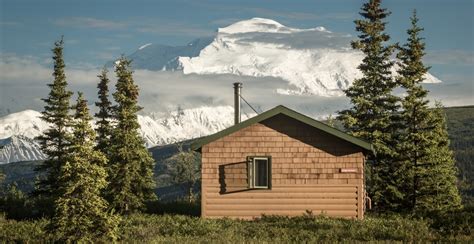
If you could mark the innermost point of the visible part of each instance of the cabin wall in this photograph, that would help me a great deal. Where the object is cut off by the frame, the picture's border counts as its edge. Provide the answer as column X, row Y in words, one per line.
column 306, row 165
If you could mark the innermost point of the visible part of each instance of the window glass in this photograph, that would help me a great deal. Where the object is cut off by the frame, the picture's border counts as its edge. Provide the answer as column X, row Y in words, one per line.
column 261, row 172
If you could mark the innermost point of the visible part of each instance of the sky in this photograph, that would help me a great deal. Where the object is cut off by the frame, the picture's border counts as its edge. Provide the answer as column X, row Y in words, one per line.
column 99, row 31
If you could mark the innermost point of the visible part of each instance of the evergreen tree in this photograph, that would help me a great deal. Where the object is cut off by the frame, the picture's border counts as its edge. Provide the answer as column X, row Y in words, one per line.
column 131, row 165
column 81, row 214
column 415, row 130
column 104, row 127
column 185, row 170
column 424, row 155
column 330, row 120
column 437, row 189
column 56, row 139
column 372, row 116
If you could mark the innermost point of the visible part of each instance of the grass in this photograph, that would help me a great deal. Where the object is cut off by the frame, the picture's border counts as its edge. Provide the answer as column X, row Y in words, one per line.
column 152, row 228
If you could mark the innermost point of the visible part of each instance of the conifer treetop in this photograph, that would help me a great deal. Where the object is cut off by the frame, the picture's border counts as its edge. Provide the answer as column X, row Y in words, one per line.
column 104, row 115
column 56, row 139
column 131, row 165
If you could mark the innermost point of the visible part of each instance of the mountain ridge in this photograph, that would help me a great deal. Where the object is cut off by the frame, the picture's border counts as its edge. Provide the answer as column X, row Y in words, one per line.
column 18, row 131
column 313, row 61
column 159, row 57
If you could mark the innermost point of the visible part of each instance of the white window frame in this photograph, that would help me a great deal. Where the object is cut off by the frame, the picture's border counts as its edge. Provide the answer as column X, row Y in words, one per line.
column 252, row 173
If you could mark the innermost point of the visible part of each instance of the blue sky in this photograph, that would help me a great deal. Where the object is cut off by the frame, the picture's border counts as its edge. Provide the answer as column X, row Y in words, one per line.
column 95, row 31
column 99, row 31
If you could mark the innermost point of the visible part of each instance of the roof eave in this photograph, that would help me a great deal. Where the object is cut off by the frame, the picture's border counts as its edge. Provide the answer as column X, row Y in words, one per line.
column 292, row 114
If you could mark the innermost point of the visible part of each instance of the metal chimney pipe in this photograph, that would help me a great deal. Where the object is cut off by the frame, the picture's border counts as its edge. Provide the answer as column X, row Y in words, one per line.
column 237, row 90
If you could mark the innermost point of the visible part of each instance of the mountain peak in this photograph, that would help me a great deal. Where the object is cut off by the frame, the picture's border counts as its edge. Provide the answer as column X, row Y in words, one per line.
column 27, row 123
column 253, row 25
column 29, row 113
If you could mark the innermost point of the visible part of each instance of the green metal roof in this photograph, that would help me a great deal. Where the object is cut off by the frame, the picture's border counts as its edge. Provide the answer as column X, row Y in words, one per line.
column 290, row 113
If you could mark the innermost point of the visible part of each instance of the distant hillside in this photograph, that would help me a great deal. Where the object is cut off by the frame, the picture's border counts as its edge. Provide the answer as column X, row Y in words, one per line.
column 461, row 133
column 23, row 174
column 460, row 127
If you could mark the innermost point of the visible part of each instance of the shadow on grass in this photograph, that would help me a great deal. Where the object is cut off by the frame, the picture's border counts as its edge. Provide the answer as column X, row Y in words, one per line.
column 178, row 207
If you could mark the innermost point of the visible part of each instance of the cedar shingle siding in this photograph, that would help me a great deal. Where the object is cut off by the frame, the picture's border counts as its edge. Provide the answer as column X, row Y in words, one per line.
column 306, row 175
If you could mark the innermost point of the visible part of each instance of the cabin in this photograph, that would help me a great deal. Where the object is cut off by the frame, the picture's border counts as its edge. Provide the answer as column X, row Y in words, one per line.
column 281, row 162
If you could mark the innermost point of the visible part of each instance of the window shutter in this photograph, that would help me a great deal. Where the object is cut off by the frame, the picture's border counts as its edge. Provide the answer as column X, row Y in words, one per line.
column 249, row 172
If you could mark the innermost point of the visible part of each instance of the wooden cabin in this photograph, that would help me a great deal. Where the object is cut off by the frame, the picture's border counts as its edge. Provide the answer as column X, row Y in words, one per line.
column 282, row 162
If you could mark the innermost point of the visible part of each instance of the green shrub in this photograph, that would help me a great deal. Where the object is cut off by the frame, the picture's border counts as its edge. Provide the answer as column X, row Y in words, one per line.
column 18, row 206
column 455, row 223
column 23, row 231
column 151, row 228
column 15, row 205
column 372, row 228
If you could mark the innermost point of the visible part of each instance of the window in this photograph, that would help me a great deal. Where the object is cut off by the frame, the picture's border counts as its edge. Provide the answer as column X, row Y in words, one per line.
column 259, row 172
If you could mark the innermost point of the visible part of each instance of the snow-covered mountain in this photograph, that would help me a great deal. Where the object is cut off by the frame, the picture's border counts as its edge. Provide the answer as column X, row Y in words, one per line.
column 19, row 130
column 26, row 123
column 165, row 57
column 19, row 148
column 314, row 61
column 182, row 124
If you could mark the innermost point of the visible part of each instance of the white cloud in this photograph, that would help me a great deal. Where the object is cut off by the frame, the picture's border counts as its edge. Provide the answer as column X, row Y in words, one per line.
column 27, row 69
column 23, row 83
column 140, row 25
column 89, row 22
column 159, row 91
column 18, row 69
column 180, row 29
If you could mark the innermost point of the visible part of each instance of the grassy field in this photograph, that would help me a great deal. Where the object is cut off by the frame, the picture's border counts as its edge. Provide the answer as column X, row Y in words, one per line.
column 143, row 228
column 179, row 222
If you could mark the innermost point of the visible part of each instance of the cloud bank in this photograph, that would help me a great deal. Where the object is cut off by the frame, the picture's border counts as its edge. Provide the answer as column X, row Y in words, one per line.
column 24, row 79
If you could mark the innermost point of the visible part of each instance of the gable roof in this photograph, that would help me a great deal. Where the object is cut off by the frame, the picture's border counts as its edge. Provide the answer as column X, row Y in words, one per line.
column 280, row 109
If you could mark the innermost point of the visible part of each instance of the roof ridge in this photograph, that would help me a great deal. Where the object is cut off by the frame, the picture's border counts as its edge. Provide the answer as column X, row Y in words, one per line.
column 280, row 109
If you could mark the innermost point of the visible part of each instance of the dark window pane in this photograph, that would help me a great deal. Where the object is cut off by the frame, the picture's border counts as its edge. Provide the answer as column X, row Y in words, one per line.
column 261, row 172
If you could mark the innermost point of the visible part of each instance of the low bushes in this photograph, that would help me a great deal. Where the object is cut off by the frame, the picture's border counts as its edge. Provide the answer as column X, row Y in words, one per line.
column 180, row 228
column 23, row 231
column 22, row 221
column 454, row 223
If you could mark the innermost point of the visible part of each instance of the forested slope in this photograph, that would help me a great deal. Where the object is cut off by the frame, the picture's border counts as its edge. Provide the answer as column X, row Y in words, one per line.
column 461, row 133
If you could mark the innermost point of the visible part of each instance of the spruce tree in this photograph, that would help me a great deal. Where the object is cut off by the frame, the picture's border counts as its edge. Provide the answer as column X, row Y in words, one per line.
column 104, row 127
column 56, row 139
column 185, row 170
column 430, row 175
column 437, row 189
column 131, row 165
column 80, row 212
column 415, row 130
column 372, row 116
